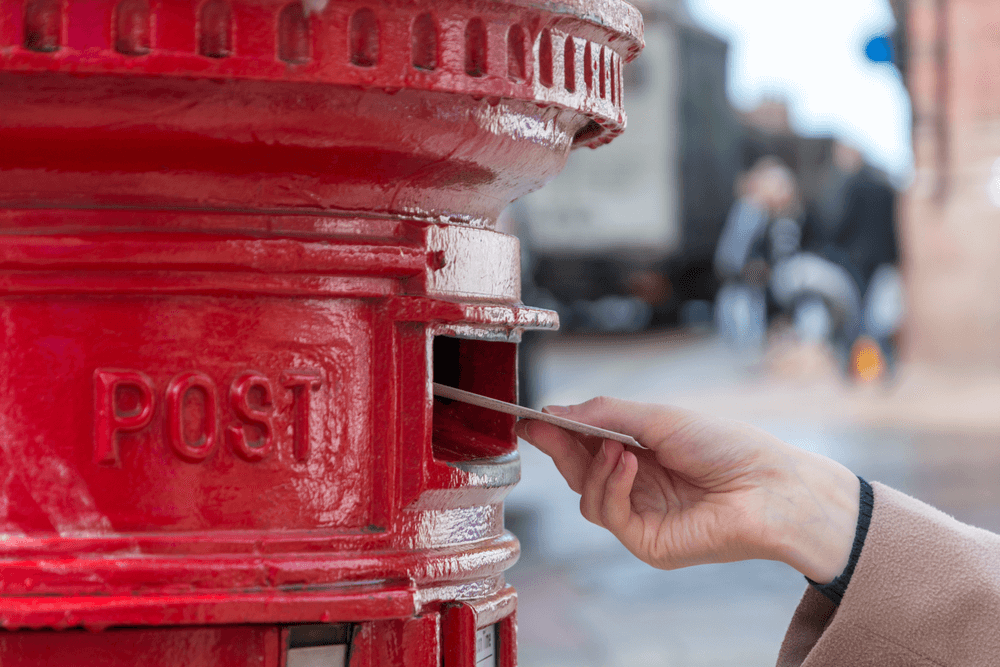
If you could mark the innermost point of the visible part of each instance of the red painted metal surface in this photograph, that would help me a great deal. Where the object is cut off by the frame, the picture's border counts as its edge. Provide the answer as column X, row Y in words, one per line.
column 238, row 240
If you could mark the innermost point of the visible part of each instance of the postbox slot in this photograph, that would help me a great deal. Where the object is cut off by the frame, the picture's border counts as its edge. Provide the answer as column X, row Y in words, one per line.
column 463, row 432
column 317, row 645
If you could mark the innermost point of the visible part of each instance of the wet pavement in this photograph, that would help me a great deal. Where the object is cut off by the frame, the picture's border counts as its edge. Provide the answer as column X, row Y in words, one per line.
column 584, row 601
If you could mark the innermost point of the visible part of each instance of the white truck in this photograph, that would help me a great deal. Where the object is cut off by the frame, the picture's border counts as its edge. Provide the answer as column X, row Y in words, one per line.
column 636, row 222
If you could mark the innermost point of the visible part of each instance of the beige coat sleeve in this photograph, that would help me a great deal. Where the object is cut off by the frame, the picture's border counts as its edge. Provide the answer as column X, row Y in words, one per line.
column 926, row 591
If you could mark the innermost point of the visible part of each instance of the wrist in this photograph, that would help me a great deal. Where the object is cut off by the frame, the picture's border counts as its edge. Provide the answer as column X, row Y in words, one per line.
column 817, row 517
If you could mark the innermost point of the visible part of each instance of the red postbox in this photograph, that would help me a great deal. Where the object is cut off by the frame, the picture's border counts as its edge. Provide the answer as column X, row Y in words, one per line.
column 239, row 240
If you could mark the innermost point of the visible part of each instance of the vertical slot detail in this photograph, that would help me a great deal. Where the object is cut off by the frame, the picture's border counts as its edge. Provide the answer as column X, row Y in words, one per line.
column 602, row 75
column 43, row 25
column 364, row 38
column 545, row 58
column 569, row 64
column 621, row 82
column 516, row 65
column 425, row 43
column 588, row 68
column 475, row 48
column 463, row 432
column 293, row 34
column 215, row 29
column 132, row 28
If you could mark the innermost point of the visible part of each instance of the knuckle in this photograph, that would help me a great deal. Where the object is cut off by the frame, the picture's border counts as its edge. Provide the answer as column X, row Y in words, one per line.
column 599, row 403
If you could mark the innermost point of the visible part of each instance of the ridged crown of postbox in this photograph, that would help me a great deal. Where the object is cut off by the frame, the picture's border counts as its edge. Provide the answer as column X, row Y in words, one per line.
column 437, row 111
column 240, row 238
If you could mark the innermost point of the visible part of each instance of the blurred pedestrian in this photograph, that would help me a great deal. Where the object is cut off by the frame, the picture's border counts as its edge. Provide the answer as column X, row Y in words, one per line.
column 759, row 231
column 857, row 229
column 865, row 235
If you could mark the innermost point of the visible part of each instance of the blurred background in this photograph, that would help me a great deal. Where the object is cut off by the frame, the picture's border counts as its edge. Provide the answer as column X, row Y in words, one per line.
column 800, row 229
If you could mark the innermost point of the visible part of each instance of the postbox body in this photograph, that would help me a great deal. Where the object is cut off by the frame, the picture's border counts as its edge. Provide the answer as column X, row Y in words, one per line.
column 239, row 241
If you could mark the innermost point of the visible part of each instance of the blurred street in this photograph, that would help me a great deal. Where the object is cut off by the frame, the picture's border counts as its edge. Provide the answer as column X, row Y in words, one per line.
column 585, row 601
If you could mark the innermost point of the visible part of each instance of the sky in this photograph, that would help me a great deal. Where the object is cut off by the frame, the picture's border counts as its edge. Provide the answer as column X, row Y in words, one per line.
column 811, row 53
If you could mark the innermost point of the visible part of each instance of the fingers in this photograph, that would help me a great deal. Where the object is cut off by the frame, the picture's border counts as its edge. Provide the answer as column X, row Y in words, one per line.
column 602, row 466
column 571, row 458
column 617, row 508
column 606, row 499
column 604, row 480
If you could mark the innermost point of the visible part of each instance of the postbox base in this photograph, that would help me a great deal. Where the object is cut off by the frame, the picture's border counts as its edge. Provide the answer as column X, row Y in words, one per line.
column 478, row 633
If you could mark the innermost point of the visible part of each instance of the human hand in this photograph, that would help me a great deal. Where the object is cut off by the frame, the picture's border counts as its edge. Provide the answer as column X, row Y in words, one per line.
column 706, row 490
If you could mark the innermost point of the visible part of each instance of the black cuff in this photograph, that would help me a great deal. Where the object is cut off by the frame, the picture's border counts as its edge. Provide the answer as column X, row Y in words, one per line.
column 836, row 588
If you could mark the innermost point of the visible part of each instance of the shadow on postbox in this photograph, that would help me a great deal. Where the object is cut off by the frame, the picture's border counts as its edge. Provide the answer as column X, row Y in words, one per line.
column 464, row 432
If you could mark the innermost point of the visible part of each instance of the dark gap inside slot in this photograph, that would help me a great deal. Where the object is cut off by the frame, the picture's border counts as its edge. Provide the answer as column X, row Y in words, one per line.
column 463, row 432
column 318, row 634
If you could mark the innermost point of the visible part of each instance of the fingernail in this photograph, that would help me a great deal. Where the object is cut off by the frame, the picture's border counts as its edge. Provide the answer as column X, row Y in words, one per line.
column 521, row 429
column 556, row 409
column 604, row 451
column 620, row 468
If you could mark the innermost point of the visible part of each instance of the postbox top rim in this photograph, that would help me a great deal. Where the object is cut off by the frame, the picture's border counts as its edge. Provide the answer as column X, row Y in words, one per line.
column 617, row 15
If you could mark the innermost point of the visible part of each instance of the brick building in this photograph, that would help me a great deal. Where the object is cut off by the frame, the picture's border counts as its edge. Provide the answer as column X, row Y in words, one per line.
column 950, row 220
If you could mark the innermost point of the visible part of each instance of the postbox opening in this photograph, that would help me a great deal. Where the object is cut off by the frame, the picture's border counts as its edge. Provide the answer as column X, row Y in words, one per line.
column 463, row 432
column 317, row 645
